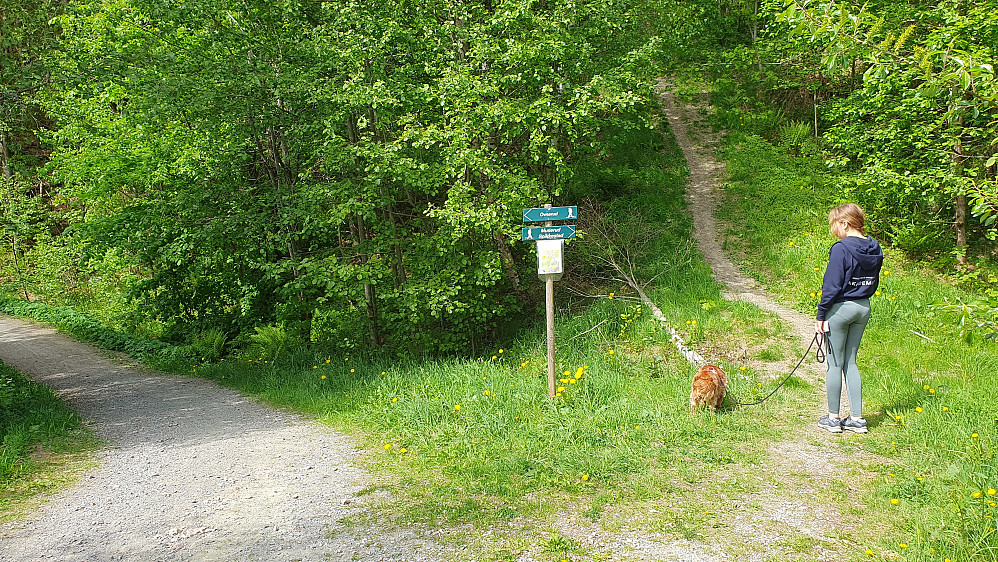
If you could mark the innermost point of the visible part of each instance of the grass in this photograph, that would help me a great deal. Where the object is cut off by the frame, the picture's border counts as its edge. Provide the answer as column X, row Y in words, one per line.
column 42, row 443
column 473, row 449
column 474, row 443
column 928, row 384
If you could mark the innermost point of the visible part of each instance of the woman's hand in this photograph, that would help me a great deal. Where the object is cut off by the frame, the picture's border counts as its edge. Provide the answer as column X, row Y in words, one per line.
column 820, row 326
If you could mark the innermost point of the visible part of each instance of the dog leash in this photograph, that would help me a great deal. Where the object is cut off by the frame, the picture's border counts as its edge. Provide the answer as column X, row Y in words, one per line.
column 819, row 356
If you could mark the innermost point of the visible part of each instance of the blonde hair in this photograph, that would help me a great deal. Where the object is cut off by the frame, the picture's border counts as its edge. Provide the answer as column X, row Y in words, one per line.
column 852, row 214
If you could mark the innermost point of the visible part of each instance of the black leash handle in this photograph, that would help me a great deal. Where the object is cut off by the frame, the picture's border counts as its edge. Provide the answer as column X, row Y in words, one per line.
column 819, row 356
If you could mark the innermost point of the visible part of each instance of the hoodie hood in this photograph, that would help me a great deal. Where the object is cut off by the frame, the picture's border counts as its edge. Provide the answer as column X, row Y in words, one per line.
column 866, row 252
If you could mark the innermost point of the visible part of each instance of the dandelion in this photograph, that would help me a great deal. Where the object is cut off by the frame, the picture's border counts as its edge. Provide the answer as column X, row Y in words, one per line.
column 610, row 352
column 932, row 391
column 315, row 366
column 817, row 269
column 813, row 295
column 500, row 352
column 383, row 373
column 346, row 358
column 571, row 381
column 742, row 368
column 557, row 394
column 395, row 399
column 974, row 435
column 926, row 387
column 918, row 409
column 903, row 545
column 328, row 360
column 402, row 451
column 485, row 378
column 791, row 243
column 694, row 322
column 895, row 501
column 561, row 389
column 494, row 358
column 351, row 370
column 877, row 293
column 945, row 408
column 388, row 446
column 977, row 495
column 870, row 552
column 898, row 418
column 920, row 479
column 323, row 377
column 457, row 407
column 585, row 478
column 991, row 491
column 637, row 427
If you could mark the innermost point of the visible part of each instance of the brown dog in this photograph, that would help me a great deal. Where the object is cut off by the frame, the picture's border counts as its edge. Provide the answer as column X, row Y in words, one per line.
column 708, row 388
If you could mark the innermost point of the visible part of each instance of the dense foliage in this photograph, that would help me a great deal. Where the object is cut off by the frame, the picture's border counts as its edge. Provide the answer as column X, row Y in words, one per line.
column 350, row 172
column 903, row 97
column 353, row 173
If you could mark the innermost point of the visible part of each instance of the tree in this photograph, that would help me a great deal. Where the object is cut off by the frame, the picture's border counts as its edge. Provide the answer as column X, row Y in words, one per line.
column 922, row 125
column 350, row 171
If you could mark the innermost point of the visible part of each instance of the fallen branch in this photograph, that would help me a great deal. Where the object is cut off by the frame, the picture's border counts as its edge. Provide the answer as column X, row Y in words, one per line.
column 590, row 329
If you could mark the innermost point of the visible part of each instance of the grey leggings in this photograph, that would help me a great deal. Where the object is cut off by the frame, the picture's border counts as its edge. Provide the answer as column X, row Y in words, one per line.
column 846, row 322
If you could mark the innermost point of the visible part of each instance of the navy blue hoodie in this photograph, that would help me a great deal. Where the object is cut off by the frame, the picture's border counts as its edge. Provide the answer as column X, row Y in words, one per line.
column 853, row 272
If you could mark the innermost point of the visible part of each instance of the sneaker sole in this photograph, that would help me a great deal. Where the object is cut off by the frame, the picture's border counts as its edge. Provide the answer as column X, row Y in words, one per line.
column 854, row 430
column 831, row 428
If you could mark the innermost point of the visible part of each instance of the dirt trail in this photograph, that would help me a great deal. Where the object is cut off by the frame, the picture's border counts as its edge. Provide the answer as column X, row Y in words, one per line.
column 705, row 173
column 193, row 471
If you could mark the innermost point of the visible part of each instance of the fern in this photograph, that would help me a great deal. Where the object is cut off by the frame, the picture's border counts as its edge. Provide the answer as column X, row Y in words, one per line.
column 270, row 342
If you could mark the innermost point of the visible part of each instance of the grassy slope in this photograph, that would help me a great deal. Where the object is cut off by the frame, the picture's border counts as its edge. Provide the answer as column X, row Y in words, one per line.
column 618, row 452
column 928, row 387
column 42, row 443
column 618, row 449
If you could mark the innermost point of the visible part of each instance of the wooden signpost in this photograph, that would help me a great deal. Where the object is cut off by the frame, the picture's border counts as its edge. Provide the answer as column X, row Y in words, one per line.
column 550, row 241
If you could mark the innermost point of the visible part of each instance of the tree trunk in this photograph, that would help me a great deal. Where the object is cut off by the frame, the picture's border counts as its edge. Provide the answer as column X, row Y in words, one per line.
column 961, row 204
column 9, row 179
column 370, row 294
column 961, row 227
column 5, row 157
column 508, row 264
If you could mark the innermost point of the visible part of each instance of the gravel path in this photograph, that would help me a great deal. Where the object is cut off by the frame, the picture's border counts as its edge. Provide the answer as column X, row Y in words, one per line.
column 193, row 471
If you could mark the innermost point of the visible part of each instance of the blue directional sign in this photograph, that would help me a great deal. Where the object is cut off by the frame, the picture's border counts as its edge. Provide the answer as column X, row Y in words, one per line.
column 547, row 232
column 538, row 214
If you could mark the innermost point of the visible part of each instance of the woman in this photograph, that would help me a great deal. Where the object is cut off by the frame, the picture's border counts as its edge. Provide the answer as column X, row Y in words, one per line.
column 851, row 278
